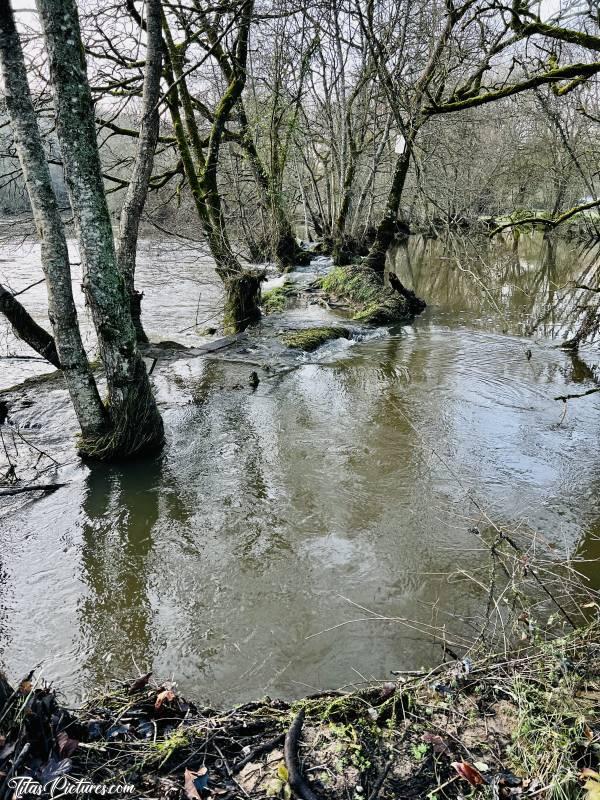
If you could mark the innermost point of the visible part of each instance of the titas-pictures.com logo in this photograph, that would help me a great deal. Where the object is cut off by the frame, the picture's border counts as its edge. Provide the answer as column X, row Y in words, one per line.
column 24, row 787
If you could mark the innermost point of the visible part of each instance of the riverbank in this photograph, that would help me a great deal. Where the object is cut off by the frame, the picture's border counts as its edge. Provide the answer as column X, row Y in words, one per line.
column 527, row 725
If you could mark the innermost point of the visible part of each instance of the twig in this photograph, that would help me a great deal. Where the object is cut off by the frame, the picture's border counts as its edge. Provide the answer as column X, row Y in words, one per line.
column 565, row 397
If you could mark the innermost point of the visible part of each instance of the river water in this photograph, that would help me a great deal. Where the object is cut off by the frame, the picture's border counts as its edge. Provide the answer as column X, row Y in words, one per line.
column 238, row 562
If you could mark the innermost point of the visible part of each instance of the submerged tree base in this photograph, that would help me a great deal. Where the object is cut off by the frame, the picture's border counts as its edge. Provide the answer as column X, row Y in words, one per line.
column 242, row 300
column 136, row 429
column 524, row 724
column 368, row 298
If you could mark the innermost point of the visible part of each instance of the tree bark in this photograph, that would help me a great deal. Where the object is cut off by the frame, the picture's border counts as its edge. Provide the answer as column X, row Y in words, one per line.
column 135, row 423
column 387, row 227
column 137, row 191
column 66, row 350
column 284, row 248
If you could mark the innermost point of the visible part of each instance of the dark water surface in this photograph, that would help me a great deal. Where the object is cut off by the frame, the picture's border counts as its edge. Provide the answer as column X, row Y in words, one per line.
column 346, row 477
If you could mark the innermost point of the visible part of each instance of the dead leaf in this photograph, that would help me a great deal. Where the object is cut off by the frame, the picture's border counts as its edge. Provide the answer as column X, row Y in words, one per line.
column 195, row 782
column 164, row 697
column 66, row 745
column 469, row 773
column 439, row 745
column 588, row 732
column 140, row 683
column 592, row 784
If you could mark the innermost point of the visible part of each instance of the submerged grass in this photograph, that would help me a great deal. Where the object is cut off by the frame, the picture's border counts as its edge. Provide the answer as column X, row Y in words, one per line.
column 309, row 339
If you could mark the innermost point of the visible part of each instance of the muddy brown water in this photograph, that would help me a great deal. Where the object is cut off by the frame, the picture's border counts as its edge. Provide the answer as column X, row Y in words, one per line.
column 345, row 480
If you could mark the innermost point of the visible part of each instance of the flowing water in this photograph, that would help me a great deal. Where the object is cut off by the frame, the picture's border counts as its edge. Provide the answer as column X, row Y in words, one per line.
column 236, row 561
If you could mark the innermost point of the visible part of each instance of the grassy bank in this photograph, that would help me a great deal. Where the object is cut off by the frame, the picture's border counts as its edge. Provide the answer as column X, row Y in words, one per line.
column 526, row 726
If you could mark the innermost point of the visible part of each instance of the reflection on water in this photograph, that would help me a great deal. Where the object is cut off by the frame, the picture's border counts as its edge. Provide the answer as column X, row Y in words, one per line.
column 523, row 290
column 120, row 511
column 344, row 477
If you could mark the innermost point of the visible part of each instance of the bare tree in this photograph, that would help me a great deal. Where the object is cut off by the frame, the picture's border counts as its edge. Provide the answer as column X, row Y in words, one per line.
column 135, row 425
column 137, row 190
column 68, row 354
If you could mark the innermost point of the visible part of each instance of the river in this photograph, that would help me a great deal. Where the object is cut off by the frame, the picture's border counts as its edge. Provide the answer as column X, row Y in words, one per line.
column 242, row 560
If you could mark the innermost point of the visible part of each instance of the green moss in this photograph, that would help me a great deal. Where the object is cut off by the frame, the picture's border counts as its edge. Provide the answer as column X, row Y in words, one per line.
column 310, row 338
column 368, row 298
column 276, row 299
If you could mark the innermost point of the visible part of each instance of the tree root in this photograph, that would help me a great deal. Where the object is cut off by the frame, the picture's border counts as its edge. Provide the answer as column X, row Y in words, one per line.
column 292, row 761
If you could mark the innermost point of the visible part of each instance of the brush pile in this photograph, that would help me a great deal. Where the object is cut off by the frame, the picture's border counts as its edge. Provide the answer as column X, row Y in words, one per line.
column 528, row 726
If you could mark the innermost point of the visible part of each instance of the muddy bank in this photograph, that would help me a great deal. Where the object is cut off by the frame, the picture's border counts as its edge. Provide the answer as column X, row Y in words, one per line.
column 526, row 725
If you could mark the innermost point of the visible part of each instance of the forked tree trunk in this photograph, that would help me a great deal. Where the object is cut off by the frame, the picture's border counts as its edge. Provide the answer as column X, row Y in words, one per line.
column 135, row 423
column 71, row 356
column 137, row 191
column 242, row 286
column 285, row 250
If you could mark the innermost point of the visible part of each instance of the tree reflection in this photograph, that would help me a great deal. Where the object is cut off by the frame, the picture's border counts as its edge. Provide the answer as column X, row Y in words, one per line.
column 120, row 507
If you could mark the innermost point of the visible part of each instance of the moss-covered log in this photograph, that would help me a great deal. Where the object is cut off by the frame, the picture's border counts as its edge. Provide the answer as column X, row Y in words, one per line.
column 370, row 300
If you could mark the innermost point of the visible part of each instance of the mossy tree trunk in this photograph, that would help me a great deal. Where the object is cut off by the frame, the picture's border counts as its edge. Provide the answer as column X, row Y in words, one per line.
column 285, row 250
column 66, row 350
column 386, row 229
column 200, row 163
column 137, row 191
column 135, row 423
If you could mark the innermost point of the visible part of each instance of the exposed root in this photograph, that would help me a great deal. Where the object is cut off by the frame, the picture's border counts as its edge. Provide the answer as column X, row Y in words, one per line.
column 136, row 429
column 292, row 762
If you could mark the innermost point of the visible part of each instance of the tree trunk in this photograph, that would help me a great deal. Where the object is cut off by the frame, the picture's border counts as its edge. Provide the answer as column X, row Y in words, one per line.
column 137, row 190
column 387, row 227
column 135, row 423
column 242, row 287
column 25, row 327
column 71, row 356
column 242, row 300
column 284, row 249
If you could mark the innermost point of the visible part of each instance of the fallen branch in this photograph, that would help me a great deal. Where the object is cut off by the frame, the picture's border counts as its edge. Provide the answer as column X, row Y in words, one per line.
column 292, row 761
column 43, row 487
column 549, row 222
column 565, row 397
